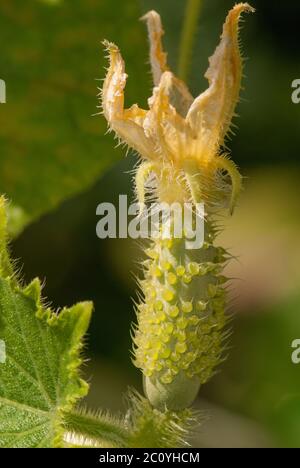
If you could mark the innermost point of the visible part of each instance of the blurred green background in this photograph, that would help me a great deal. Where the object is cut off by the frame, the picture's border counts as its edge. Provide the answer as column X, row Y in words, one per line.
column 56, row 159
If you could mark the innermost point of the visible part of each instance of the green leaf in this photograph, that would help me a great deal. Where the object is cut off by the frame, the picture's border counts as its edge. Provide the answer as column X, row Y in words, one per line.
column 39, row 377
column 51, row 147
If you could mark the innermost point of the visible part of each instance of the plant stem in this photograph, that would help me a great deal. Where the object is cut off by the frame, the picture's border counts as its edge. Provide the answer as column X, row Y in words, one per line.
column 192, row 13
column 99, row 427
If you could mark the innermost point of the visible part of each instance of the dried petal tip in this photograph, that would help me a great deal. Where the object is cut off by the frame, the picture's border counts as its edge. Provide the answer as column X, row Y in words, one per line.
column 213, row 110
column 126, row 123
column 158, row 57
column 244, row 7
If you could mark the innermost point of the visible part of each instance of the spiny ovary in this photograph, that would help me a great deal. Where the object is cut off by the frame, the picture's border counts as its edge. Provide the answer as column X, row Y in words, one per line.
column 180, row 322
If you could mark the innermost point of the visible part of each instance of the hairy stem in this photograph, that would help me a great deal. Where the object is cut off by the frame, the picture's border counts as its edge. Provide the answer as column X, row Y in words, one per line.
column 192, row 14
column 151, row 428
column 100, row 427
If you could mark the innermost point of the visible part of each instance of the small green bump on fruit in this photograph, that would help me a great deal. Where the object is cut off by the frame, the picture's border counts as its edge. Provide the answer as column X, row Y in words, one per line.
column 193, row 268
column 167, row 243
column 186, row 307
column 186, row 279
column 202, row 270
column 166, row 338
column 158, row 305
column 175, row 357
column 201, row 306
column 212, row 290
column 173, row 311
column 165, row 353
column 181, row 336
column 147, row 345
column 161, row 316
column 182, row 323
column 165, row 265
column 180, row 348
column 180, row 270
column 194, row 320
column 218, row 304
column 171, row 278
column 167, row 377
column 169, row 328
column 151, row 292
column 168, row 295
column 156, row 271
